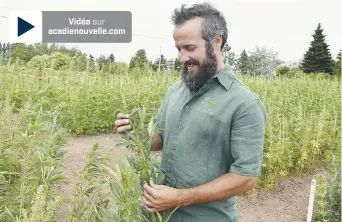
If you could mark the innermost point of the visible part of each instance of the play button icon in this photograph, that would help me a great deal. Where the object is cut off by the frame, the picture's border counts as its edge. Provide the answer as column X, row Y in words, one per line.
column 23, row 26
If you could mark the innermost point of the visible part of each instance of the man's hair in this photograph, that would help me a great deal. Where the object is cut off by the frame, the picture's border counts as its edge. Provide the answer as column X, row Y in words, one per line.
column 214, row 23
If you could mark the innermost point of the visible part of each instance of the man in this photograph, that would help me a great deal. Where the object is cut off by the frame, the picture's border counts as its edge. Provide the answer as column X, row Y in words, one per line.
column 210, row 127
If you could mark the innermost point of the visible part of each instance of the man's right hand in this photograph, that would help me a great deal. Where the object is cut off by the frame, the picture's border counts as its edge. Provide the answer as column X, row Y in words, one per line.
column 122, row 123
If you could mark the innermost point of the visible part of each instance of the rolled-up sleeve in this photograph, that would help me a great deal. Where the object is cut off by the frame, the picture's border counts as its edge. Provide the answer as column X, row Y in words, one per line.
column 247, row 139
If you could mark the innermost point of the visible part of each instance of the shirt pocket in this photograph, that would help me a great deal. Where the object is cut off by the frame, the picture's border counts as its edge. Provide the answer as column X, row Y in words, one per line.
column 205, row 124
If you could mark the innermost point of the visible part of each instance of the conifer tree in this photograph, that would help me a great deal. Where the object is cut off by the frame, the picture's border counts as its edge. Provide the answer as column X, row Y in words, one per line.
column 243, row 62
column 338, row 63
column 318, row 57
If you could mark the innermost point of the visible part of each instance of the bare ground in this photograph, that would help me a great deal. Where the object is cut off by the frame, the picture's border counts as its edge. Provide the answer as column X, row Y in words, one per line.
column 287, row 204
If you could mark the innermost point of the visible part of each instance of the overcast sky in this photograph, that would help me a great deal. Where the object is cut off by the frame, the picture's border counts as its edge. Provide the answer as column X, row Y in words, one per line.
column 286, row 26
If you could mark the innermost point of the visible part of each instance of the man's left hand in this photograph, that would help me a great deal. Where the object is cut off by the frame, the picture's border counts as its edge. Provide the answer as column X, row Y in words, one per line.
column 160, row 197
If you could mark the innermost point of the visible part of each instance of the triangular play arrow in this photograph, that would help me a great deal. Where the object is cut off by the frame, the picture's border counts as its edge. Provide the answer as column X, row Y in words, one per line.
column 23, row 26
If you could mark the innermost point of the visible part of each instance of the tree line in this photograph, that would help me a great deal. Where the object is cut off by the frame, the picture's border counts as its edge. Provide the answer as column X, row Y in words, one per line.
column 258, row 61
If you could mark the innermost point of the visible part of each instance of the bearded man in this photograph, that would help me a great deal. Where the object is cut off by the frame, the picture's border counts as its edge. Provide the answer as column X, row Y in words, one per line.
column 210, row 127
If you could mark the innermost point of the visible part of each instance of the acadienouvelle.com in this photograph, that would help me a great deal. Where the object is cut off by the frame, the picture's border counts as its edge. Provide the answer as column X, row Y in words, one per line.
column 80, row 31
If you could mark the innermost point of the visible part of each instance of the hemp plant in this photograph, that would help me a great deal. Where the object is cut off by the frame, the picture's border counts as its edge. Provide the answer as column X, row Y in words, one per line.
column 136, row 170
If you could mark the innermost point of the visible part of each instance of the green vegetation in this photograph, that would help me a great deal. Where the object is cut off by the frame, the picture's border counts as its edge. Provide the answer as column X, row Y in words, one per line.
column 31, row 162
column 50, row 92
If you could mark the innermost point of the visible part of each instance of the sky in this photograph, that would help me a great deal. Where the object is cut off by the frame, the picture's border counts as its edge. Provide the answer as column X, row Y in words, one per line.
column 285, row 26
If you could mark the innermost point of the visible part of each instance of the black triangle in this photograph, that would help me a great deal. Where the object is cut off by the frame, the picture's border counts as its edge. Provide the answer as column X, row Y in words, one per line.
column 23, row 26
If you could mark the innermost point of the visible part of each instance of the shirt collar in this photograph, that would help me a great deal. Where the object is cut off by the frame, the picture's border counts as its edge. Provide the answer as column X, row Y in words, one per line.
column 225, row 77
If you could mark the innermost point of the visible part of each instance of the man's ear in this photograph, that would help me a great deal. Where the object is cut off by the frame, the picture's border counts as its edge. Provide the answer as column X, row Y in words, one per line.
column 218, row 43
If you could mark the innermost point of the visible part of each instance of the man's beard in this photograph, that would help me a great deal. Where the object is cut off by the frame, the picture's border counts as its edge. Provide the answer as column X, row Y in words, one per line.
column 194, row 81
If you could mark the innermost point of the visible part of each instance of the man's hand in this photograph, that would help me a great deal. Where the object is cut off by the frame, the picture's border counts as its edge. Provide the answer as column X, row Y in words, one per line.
column 160, row 197
column 122, row 123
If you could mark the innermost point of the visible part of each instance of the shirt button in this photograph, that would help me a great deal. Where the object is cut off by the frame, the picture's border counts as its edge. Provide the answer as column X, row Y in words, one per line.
column 180, row 127
column 168, row 170
column 173, row 147
column 187, row 106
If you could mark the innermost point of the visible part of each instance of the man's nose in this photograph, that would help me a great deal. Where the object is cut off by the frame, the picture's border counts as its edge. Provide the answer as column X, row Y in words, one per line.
column 183, row 58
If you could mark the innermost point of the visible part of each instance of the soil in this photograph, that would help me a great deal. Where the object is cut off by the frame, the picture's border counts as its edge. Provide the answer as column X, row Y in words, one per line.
column 287, row 204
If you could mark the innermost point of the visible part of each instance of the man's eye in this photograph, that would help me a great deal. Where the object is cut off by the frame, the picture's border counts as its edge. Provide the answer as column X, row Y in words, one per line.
column 191, row 48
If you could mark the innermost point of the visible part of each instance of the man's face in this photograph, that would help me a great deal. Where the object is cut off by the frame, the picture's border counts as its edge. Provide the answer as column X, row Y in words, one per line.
column 198, row 58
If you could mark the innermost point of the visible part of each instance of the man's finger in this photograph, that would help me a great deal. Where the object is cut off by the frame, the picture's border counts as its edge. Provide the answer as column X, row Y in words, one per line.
column 122, row 116
column 150, row 209
column 155, row 186
column 149, row 203
column 149, row 197
column 149, row 190
column 121, row 122
column 123, row 128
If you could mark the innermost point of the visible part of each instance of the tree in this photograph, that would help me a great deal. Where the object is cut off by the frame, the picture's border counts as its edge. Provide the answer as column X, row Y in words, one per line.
column 242, row 64
column 103, row 63
column 338, row 63
column 177, row 66
column 139, row 60
column 229, row 57
column 318, row 57
column 44, row 49
column 1, row 58
column 22, row 52
column 91, row 63
column 7, row 49
column 263, row 61
column 163, row 63
column 111, row 58
column 60, row 61
column 2, row 52
column 80, row 62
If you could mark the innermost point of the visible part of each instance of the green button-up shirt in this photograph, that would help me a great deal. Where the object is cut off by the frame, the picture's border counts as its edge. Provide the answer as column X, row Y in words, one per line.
column 208, row 133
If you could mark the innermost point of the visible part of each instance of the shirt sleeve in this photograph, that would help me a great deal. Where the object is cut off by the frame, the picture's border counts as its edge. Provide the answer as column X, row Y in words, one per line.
column 247, row 139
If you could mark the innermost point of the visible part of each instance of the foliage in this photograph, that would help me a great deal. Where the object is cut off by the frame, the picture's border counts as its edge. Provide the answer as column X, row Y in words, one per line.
column 263, row 61
column 338, row 63
column 283, row 70
column 139, row 59
column 243, row 64
column 22, row 52
column 79, row 63
column 60, row 61
column 303, row 112
column 31, row 162
column 229, row 57
column 163, row 63
column 39, row 61
column 328, row 196
column 136, row 170
column 318, row 57
column 25, row 52
column 56, row 61
column 302, row 133
column 177, row 65
column 101, row 186
column 89, row 195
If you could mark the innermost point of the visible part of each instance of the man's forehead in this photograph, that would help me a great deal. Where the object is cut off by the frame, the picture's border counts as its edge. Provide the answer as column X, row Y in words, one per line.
column 187, row 34
column 194, row 24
